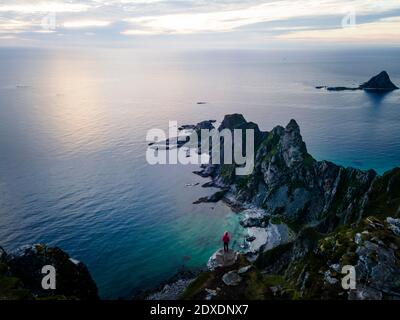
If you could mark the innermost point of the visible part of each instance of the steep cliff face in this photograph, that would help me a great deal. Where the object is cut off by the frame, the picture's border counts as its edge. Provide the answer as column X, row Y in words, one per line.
column 287, row 181
column 21, row 277
column 313, row 263
column 311, row 267
column 341, row 216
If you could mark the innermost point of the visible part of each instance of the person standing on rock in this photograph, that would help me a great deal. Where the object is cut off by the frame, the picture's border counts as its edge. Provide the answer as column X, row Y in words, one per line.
column 225, row 240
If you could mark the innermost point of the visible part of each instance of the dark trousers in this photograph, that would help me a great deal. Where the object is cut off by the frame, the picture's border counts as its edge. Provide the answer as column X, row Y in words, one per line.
column 226, row 249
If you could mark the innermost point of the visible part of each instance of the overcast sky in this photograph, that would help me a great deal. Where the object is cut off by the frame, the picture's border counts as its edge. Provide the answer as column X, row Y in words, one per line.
column 209, row 23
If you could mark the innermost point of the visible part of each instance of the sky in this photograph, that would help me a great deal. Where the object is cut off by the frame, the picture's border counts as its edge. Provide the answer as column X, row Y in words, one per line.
column 198, row 23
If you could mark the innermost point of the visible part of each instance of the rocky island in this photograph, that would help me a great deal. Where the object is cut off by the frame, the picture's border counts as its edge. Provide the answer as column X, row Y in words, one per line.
column 379, row 83
column 337, row 216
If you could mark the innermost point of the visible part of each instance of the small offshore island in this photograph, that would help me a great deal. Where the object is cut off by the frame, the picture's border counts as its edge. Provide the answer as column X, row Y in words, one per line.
column 379, row 83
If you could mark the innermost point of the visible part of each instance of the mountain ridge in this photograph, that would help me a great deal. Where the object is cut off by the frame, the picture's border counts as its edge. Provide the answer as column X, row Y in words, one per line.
column 341, row 216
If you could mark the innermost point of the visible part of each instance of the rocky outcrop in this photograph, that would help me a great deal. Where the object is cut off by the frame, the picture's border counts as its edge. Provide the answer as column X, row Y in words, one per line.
column 237, row 121
column 288, row 182
column 23, row 268
column 342, row 88
column 313, row 267
column 171, row 291
column 379, row 83
column 220, row 258
column 371, row 248
column 217, row 196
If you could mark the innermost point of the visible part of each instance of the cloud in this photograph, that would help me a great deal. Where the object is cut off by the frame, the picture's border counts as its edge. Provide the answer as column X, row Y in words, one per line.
column 138, row 33
column 212, row 20
column 385, row 30
column 43, row 6
column 223, row 21
column 77, row 24
column 14, row 26
column 8, row 37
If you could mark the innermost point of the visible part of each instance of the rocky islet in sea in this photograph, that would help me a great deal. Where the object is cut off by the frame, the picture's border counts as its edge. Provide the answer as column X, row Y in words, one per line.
column 378, row 83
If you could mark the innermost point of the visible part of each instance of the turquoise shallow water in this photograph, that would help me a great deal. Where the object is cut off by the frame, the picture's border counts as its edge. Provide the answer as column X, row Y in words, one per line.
column 72, row 145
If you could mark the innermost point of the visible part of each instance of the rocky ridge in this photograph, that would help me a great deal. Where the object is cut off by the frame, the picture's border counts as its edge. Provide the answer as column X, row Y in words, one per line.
column 21, row 277
column 339, row 216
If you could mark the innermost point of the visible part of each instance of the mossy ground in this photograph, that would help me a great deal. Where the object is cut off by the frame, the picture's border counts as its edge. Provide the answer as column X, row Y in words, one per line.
column 11, row 287
column 254, row 285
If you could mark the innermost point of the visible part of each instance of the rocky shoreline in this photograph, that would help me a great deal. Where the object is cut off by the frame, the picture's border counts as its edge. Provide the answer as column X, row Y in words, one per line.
column 172, row 288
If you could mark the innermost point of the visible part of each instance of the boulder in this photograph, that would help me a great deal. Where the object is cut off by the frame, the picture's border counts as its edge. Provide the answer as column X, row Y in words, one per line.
column 210, row 294
column 394, row 225
column 231, row 278
column 250, row 238
column 244, row 269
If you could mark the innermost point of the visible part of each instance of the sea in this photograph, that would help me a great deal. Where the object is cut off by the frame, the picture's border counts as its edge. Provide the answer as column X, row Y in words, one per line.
column 73, row 125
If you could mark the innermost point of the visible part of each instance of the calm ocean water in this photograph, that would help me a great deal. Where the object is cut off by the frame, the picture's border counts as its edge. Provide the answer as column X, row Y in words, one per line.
column 72, row 145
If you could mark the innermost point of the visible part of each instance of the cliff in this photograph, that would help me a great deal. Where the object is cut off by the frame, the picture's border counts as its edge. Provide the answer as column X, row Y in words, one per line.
column 21, row 277
column 288, row 182
column 339, row 216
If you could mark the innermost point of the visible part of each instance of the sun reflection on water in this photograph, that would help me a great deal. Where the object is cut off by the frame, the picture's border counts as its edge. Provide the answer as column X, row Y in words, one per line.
column 76, row 112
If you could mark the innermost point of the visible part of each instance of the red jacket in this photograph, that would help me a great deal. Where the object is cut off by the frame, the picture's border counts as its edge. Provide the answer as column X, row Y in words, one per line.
column 225, row 238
